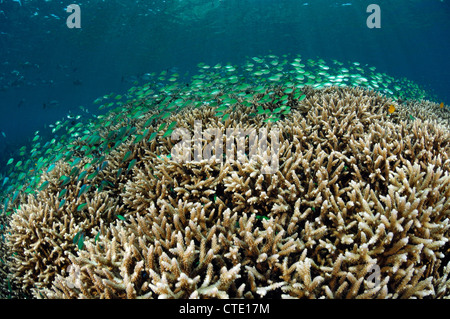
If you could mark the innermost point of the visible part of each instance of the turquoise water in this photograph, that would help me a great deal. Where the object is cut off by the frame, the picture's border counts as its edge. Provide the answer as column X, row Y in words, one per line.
column 48, row 70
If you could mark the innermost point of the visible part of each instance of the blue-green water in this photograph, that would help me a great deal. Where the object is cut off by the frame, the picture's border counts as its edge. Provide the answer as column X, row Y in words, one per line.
column 48, row 70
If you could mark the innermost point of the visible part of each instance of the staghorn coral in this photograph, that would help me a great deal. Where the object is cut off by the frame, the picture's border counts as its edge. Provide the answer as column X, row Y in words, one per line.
column 44, row 227
column 8, row 288
column 357, row 191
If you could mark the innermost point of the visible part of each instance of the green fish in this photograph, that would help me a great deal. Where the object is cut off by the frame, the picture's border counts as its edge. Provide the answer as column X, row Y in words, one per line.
column 81, row 206
column 65, row 180
column 83, row 190
column 127, row 156
column 44, row 185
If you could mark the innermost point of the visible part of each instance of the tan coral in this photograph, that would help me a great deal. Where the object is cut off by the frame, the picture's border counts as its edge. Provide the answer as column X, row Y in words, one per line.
column 43, row 230
column 359, row 208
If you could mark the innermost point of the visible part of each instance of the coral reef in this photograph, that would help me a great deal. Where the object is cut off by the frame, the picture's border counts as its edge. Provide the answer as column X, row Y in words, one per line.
column 359, row 208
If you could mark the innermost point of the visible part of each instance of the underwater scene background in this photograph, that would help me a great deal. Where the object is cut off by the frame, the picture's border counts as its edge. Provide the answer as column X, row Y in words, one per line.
column 85, row 149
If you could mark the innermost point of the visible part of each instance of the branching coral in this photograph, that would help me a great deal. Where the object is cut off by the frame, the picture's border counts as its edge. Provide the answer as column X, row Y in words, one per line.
column 358, row 208
column 44, row 228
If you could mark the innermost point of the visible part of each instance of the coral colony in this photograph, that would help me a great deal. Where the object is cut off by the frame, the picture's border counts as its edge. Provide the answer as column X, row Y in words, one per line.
column 174, row 193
